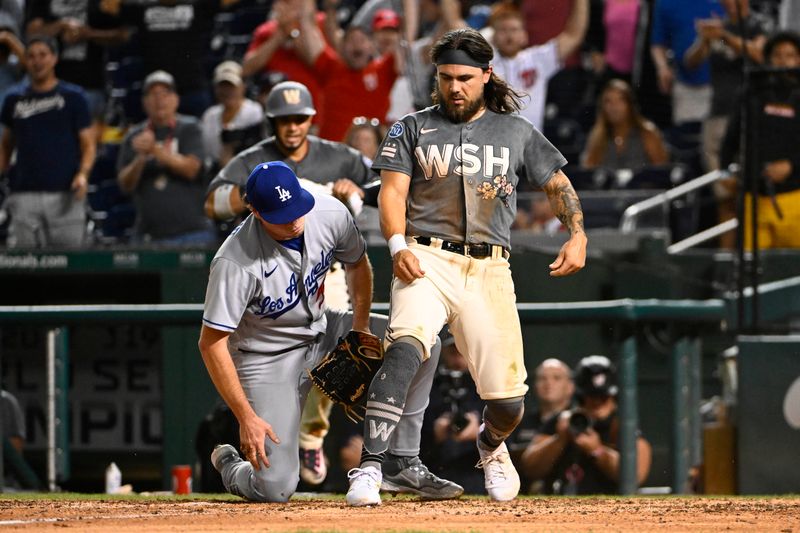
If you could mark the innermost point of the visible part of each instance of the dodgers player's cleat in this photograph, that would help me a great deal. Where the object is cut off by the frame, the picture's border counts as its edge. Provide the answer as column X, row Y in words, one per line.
column 223, row 455
column 500, row 476
column 365, row 485
column 409, row 475
column 312, row 466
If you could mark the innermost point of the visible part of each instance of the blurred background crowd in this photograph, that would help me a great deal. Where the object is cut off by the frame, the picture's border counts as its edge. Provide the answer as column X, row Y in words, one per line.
column 637, row 94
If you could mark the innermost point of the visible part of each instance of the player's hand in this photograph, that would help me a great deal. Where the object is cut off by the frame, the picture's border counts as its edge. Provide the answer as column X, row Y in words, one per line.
column 778, row 171
column 79, row 186
column 588, row 441
column 343, row 188
column 572, row 256
column 252, row 435
column 406, row 267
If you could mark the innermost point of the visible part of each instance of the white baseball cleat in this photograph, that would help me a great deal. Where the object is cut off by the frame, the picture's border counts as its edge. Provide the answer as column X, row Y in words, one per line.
column 501, row 478
column 365, row 486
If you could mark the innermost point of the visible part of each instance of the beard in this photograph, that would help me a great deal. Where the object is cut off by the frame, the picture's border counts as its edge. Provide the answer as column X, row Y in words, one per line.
column 465, row 113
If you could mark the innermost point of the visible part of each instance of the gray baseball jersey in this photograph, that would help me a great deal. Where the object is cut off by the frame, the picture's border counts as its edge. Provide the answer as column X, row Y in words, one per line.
column 271, row 297
column 487, row 157
column 325, row 161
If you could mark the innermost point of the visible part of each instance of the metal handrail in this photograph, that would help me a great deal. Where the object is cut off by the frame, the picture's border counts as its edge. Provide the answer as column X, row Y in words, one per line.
column 631, row 214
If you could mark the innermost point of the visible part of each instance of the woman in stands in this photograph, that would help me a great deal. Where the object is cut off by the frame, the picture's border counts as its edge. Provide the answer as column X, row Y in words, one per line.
column 621, row 137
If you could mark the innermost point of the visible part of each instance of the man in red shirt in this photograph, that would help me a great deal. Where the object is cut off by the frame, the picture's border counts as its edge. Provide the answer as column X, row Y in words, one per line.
column 273, row 49
column 355, row 83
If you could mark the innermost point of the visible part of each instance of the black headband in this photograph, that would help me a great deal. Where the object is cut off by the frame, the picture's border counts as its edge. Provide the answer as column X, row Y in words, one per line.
column 459, row 57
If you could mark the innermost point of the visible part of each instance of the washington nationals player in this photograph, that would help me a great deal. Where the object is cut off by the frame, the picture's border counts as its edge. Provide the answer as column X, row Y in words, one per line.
column 448, row 198
column 322, row 166
column 265, row 323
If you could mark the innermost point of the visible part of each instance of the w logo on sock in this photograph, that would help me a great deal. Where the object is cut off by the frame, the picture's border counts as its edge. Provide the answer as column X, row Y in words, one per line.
column 382, row 430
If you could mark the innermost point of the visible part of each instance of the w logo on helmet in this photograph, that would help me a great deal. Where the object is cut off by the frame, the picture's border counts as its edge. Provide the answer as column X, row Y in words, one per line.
column 291, row 96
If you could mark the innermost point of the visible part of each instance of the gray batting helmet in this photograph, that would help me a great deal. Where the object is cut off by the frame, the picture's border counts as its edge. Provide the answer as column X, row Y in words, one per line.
column 289, row 98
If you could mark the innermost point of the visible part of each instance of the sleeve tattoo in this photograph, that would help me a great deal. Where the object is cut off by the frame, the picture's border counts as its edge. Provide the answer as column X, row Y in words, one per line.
column 565, row 202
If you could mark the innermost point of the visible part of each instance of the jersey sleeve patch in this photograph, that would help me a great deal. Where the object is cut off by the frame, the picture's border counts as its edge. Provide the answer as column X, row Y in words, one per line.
column 396, row 130
column 389, row 149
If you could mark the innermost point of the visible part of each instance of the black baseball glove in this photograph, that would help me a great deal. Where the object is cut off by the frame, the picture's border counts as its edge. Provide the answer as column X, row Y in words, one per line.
column 344, row 374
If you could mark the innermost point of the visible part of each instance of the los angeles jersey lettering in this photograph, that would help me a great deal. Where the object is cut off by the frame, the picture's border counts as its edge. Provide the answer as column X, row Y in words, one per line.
column 270, row 297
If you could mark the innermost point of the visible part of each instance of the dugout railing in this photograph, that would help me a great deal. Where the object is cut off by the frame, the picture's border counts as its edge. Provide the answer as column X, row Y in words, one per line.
column 627, row 316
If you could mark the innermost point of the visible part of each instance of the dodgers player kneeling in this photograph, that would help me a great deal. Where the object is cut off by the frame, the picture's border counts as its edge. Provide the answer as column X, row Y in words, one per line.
column 265, row 323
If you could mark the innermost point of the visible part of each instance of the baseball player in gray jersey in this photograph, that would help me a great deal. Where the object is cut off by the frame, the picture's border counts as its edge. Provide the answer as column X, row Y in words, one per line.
column 449, row 175
column 323, row 166
column 265, row 323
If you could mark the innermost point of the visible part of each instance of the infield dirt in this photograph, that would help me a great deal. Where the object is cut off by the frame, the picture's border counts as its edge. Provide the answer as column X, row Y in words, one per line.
column 398, row 515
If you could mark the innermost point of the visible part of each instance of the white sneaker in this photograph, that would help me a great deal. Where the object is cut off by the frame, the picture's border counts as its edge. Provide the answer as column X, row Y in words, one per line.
column 501, row 478
column 365, row 486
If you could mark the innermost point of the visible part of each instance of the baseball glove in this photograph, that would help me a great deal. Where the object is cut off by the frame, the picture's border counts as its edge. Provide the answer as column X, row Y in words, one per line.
column 344, row 374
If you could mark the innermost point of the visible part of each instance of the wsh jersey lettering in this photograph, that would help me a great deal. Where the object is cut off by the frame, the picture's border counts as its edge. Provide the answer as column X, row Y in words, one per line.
column 471, row 159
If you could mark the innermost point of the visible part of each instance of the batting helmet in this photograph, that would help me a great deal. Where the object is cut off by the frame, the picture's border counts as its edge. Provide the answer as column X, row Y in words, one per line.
column 289, row 98
column 595, row 376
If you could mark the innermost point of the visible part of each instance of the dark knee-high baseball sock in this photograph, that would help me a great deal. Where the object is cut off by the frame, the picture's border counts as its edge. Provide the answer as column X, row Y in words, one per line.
column 386, row 399
column 500, row 418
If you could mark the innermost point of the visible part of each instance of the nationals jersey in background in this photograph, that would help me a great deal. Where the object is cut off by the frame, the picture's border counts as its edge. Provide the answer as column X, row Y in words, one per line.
column 325, row 161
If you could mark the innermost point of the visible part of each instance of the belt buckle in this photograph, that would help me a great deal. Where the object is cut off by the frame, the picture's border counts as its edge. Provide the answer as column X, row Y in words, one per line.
column 480, row 250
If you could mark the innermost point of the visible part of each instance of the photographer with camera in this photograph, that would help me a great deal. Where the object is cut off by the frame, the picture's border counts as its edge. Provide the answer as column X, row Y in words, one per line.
column 452, row 421
column 577, row 452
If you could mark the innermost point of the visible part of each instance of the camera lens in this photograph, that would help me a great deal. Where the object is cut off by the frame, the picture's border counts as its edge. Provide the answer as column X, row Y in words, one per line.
column 578, row 423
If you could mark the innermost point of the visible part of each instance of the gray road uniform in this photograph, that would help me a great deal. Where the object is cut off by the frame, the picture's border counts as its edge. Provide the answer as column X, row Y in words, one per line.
column 325, row 161
column 271, row 299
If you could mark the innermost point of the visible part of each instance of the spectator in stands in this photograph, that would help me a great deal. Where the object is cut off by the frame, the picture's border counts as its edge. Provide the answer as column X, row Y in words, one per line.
column 48, row 131
column 621, row 138
column 436, row 18
column 673, row 32
column 12, row 58
column 83, row 30
column 365, row 135
column 274, row 49
column 451, row 422
column 775, row 124
column 161, row 164
column 554, row 389
column 614, row 33
column 173, row 36
column 528, row 69
column 228, row 125
column 577, row 452
column 355, row 83
column 720, row 43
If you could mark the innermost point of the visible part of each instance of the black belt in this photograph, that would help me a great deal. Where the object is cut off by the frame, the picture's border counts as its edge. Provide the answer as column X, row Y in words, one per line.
column 478, row 251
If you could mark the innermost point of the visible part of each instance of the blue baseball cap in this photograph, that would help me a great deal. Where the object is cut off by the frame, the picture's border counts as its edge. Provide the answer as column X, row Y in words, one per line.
column 274, row 191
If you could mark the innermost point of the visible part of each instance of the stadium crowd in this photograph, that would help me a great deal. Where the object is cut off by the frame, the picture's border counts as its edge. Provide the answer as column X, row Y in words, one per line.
column 637, row 94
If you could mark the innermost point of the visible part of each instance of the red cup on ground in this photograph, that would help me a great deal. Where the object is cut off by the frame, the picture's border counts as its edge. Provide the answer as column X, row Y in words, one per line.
column 182, row 479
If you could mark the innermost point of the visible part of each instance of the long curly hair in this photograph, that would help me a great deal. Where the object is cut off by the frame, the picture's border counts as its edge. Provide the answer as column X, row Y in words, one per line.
column 498, row 95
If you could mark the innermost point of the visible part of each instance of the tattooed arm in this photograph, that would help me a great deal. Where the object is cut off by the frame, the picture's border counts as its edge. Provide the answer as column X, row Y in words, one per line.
column 567, row 207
